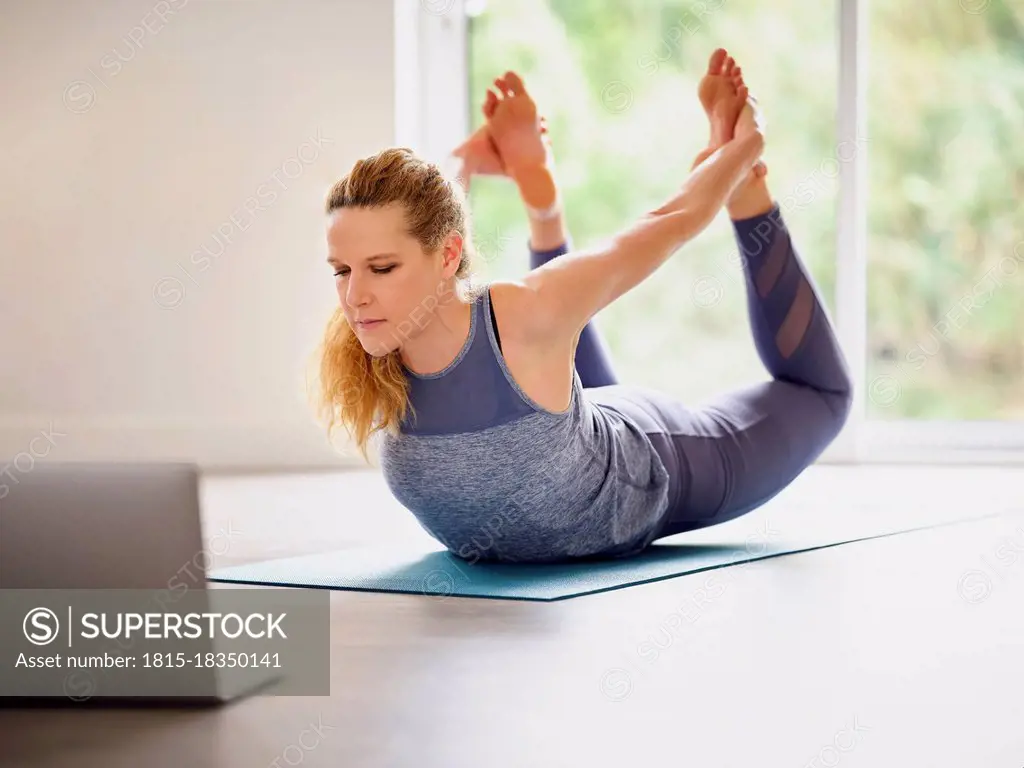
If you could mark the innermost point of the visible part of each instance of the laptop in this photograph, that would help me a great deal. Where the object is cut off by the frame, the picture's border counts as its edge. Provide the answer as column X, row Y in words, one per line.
column 90, row 525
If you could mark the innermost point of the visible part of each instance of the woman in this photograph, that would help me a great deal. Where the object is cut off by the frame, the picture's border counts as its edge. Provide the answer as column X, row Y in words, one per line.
column 500, row 446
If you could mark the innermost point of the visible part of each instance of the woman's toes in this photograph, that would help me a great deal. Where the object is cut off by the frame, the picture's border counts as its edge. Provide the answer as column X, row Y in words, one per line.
column 716, row 61
column 515, row 83
column 490, row 104
column 729, row 63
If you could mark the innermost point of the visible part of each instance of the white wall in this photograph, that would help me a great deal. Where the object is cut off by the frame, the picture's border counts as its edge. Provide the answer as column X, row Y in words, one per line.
column 129, row 142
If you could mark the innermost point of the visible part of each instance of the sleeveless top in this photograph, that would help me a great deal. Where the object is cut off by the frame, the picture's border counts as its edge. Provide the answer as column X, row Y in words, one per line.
column 494, row 476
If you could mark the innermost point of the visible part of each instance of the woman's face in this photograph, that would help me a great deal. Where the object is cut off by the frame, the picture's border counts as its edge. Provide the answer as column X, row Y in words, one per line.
column 382, row 274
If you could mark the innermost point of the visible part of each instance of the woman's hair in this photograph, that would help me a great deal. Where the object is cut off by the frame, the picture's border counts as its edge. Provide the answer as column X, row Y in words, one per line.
column 363, row 393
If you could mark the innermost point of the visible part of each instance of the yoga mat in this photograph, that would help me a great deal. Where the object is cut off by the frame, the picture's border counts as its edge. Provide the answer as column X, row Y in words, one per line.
column 415, row 570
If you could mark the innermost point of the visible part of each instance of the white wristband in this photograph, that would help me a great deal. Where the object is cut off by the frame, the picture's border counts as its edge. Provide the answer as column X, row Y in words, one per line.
column 546, row 214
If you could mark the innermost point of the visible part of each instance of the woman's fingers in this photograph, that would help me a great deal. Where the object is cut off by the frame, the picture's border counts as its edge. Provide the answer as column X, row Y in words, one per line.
column 704, row 155
column 464, row 148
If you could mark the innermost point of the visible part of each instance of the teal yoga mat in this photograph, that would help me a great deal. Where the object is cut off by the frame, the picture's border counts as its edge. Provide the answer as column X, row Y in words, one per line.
column 418, row 571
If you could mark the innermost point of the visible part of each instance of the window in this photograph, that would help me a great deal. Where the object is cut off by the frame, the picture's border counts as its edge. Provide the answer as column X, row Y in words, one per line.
column 893, row 152
column 945, row 229
column 618, row 84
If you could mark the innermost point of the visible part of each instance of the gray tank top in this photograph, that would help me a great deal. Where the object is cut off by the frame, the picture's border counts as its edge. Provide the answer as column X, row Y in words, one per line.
column 492, row 475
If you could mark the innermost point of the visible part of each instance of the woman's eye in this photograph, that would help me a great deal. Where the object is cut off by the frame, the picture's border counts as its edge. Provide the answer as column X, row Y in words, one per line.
column 382, row 271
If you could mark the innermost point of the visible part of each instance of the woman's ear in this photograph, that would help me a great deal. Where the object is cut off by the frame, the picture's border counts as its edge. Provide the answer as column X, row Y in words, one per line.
column 451, row 252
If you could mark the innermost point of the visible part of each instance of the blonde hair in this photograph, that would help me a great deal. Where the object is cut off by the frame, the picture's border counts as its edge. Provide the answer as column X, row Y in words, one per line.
column 355, row 389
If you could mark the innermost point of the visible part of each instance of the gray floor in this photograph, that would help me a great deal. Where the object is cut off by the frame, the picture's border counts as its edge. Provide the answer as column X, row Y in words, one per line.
column 903, row 651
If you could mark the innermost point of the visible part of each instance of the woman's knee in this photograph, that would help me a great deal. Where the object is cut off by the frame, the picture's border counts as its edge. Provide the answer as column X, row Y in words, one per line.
column 843, row 405
column 839, row 406
column 843, row 391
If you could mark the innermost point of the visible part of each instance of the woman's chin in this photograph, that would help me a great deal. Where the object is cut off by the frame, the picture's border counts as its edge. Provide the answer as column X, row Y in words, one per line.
column 376, row 348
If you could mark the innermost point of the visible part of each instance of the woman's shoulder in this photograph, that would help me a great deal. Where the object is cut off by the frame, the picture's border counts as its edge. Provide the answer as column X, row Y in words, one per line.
column 517, row 311
column 511, row 302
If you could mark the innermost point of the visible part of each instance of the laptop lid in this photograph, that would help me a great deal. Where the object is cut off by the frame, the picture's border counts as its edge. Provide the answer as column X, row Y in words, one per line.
column 91, row 525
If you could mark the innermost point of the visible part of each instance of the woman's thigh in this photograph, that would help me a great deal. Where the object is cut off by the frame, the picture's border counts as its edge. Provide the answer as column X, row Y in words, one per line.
column 731, row 454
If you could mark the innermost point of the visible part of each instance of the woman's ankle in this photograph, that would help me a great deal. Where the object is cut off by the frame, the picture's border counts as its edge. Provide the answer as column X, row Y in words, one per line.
column 536, row 185
column 751, row 199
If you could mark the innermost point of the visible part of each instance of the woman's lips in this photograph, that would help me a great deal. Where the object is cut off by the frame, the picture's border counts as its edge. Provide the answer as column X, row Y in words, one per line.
column 369, row 323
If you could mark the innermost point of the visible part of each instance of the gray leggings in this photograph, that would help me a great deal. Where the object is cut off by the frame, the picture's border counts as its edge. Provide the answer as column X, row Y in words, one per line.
column 739, row 450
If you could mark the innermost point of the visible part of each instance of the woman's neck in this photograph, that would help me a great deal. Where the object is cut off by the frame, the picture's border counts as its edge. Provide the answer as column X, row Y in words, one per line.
column 440, row 340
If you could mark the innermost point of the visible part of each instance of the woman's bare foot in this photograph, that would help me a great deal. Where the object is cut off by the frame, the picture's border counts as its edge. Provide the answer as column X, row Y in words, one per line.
column 520, row 135
column 491, row 104
column 515, row 124
column 725, row 98
column 733, row 112
column 722, row 93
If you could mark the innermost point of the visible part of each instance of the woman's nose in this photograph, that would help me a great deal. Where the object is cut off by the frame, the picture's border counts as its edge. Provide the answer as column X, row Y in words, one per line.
column 355, row 295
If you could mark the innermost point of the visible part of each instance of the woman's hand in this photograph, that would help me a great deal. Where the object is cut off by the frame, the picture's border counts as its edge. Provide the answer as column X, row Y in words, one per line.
column 751, row 119
column 479, row 155
column 759, row 171
column 749, row 198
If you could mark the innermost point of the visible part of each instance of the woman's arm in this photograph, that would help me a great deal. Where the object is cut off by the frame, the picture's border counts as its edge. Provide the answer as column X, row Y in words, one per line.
column 568, row 291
